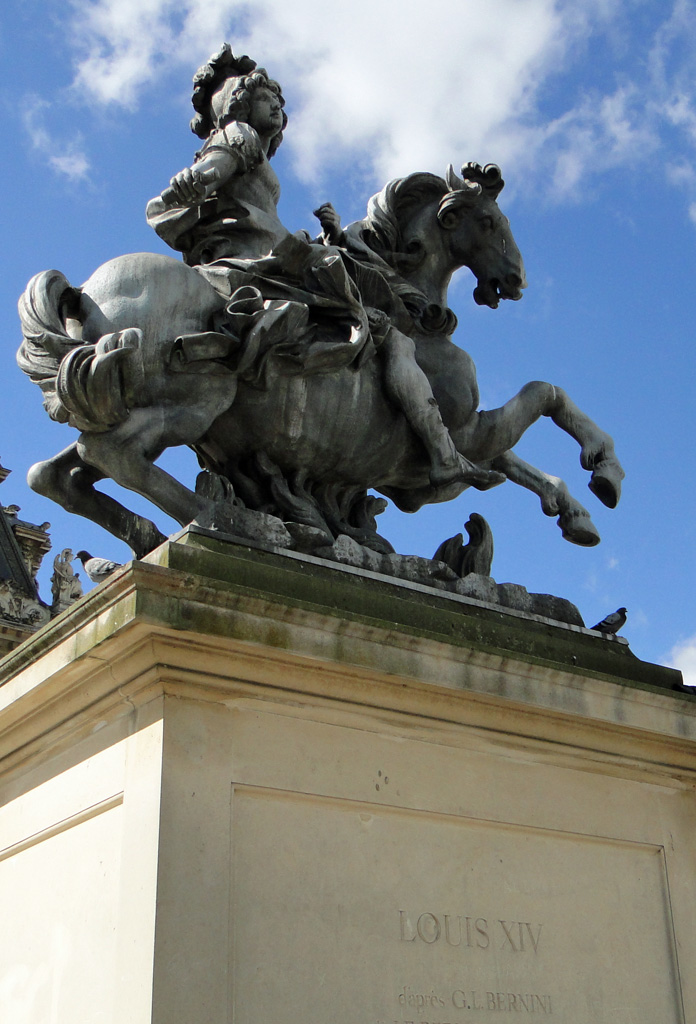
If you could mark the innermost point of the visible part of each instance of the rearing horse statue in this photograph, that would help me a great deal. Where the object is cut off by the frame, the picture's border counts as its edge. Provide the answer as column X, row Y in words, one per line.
column 302, row 373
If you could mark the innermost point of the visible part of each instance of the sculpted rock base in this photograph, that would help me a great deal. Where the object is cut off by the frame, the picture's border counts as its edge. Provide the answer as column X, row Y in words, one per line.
column 271, row 532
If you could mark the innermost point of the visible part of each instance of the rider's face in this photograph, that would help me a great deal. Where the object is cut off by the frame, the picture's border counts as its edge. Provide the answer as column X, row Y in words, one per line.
column 265, row 114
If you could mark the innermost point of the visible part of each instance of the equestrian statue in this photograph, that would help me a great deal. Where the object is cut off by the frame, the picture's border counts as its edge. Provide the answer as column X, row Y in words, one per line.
column 304, row 371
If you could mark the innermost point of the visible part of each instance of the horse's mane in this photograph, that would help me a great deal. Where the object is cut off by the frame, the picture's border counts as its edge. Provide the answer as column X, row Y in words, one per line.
column 379, row 241
column 381, row 236
column 386, row 214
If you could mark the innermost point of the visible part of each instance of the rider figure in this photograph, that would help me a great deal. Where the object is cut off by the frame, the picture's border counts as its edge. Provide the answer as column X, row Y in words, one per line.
column 222, row 214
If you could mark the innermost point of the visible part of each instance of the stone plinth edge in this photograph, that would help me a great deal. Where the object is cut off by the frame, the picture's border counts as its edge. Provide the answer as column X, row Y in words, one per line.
column 273, row 623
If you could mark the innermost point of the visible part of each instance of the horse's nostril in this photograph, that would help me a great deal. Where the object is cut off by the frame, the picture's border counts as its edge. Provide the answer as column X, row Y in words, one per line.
column 513, row 280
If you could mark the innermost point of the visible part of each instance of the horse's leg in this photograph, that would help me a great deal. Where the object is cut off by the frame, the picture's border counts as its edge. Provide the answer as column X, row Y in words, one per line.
column 126, row 453
column 69, row 481
column 490, row 433
column 597, row 454
column 409, row 388
column 556, row 500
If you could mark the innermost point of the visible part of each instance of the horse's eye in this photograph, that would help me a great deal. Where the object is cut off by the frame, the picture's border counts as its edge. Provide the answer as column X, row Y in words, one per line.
column 486, row 223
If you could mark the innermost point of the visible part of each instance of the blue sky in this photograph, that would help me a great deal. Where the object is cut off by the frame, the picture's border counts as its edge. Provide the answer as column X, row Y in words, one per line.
column 589, row 107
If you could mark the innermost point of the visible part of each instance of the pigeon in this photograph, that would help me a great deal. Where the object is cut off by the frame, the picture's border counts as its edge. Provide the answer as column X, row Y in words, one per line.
column 613, row 622
column 97, row 568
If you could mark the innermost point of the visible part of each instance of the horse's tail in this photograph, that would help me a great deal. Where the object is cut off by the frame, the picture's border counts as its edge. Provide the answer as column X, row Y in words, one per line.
column 82, row 384
column 42, row 306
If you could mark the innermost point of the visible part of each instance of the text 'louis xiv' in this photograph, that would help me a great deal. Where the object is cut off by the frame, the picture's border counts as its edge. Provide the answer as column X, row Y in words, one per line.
column 470, row 932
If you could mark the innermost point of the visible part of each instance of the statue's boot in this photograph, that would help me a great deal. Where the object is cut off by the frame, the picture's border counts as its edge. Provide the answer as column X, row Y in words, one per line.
column 462, row 471
column 410, row 389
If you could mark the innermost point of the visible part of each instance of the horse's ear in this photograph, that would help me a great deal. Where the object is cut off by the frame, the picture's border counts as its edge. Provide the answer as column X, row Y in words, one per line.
column 453, row 180
column 453, row 205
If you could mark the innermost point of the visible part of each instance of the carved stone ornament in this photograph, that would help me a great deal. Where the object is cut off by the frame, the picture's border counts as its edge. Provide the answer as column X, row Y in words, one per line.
column 304, row 371
column 66, row 587
column 22, row 546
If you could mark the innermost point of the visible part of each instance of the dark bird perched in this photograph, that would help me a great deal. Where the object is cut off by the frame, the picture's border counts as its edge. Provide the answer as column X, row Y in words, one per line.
column 613, row 622
column 97, row 568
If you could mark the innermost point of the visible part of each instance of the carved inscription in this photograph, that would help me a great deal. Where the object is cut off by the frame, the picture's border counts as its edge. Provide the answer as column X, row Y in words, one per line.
column 435, row 1008
column 507, row 1002
column 470, row 932
column 420, row 1001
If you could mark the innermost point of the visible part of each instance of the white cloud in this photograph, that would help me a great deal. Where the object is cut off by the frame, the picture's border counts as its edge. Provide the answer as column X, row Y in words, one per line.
column 671, row 59
column 683, row 657
column 680, row 172
column 600, row 132
column 379, row 84
column 390, row 87
column 65, row 156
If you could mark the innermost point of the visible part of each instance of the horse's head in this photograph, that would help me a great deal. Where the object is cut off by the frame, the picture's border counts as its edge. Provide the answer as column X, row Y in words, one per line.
column 426, row 227
column 480, row 236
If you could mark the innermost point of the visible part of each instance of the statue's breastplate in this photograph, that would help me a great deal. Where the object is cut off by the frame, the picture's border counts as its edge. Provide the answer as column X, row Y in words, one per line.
column 240, row 220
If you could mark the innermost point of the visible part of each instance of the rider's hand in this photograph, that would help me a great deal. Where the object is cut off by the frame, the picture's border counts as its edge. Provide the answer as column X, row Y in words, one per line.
column 190, row 186
column 330, row 222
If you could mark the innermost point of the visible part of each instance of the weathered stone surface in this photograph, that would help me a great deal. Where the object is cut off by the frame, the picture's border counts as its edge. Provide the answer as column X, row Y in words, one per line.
column 308, row 539
column 347, row 551
column 245, row 523
column 557, row 608
column 512, row 595
column 419, row 570
column 270, row 532
column 483, row 588
column 374, row 560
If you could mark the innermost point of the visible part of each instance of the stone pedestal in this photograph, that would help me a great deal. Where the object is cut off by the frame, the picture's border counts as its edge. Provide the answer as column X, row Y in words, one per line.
column 242, row 787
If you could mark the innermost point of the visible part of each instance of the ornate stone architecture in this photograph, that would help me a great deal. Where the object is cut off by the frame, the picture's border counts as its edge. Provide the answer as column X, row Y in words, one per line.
column 65, row 582
column 305, row 372
column 22, row 549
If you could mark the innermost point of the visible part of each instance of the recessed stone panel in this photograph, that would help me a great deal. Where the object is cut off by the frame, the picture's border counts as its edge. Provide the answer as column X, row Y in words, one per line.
column 59, row 896
column 347, row 913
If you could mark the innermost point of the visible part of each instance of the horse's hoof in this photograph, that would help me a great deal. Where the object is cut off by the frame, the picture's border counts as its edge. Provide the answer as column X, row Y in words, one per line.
column 606, row 482
column 578, row 528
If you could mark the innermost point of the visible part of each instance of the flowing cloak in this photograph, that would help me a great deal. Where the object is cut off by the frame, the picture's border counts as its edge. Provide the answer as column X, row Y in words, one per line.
column 338, row 308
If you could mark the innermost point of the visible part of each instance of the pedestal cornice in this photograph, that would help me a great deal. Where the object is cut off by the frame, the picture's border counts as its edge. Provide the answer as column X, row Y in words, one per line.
column 223, row 621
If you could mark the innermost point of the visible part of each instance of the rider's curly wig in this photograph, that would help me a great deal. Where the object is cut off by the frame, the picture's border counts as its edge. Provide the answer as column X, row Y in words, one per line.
column 222, row 91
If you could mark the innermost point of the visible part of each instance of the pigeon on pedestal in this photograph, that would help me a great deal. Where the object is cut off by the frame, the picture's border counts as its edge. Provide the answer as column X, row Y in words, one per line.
column 97, row 568
column 613, row 622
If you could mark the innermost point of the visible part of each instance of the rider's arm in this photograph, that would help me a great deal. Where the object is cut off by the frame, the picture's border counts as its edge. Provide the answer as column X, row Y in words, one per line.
column 228, row 152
